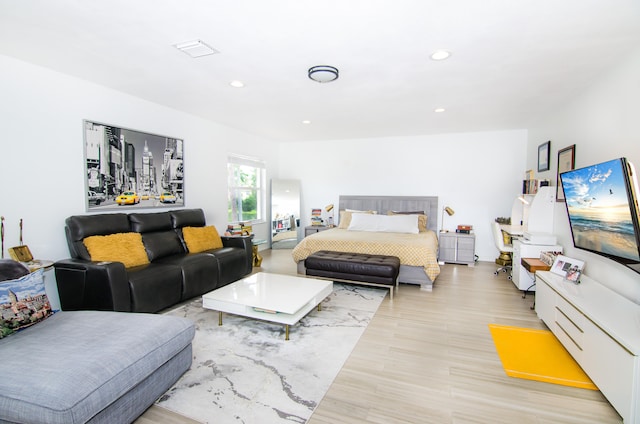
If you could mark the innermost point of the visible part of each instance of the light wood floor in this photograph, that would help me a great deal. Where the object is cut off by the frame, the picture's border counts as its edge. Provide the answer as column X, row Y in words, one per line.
column 428, row 357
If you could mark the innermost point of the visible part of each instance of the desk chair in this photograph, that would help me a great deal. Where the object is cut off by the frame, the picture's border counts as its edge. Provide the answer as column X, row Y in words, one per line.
column 506, row 250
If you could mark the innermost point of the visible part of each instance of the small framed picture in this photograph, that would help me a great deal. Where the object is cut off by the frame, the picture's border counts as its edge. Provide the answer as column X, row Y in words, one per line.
column 21, row 253
column 569, row 268
column 544, row 154
column 566, row 162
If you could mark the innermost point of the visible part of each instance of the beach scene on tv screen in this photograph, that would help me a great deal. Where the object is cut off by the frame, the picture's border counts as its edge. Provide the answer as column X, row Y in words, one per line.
column 599, row 210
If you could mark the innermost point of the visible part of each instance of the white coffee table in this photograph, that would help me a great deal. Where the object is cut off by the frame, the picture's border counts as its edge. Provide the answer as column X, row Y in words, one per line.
column 284, row 299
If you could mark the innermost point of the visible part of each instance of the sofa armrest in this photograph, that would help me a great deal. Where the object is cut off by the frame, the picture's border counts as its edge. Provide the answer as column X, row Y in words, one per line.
column 243, row 242
column 92, row 285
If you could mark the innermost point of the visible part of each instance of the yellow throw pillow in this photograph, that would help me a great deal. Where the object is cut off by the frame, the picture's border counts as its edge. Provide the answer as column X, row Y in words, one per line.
column 121, row 247
column 199, row 239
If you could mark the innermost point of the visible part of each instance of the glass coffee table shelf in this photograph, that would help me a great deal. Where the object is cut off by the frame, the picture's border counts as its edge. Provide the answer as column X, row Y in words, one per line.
column 278, row 298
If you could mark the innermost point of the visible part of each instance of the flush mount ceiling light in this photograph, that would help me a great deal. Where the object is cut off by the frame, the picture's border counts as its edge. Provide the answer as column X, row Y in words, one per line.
column 236, row 84
column 440, row 55
column 323, row 73
column 195, row 48
column 439, row 110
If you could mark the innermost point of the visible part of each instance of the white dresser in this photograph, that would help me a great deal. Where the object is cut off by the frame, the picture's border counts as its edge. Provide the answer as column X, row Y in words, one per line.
column 601, row 330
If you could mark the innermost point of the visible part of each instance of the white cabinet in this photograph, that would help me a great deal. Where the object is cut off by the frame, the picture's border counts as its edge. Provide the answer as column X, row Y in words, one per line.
column 522, row 279
column 601, row 330
column 457, row 248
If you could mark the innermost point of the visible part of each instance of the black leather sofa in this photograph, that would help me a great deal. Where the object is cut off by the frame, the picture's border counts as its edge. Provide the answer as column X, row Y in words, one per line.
column 172, row 276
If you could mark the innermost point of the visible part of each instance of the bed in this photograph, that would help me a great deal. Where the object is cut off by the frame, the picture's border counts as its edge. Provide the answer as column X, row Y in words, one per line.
column 418, row 253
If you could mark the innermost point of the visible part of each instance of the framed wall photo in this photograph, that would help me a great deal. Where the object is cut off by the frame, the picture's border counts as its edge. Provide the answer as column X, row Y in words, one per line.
column 131, row 169
column 566, row 162
column 544, row 151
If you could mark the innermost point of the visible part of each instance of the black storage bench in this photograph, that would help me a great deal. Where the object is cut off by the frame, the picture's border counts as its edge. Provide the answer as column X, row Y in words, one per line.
column 359, row 268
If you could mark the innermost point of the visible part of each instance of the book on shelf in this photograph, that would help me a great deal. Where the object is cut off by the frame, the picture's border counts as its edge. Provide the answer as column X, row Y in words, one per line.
column 234, row 229
column 464, row 229
column 239, row 229
column 316, row 216
column 529, row 186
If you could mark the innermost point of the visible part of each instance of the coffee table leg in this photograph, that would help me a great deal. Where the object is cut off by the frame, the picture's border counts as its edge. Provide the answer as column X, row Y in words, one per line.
column 219, row 318
column 286, row 331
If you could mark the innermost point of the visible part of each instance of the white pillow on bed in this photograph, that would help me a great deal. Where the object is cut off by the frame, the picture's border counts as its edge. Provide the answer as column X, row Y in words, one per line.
column 384, row 223
column 345, row 217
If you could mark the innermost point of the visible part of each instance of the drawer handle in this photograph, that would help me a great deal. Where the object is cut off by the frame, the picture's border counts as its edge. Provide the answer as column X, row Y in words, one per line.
column 569, row 319
column 567, row 334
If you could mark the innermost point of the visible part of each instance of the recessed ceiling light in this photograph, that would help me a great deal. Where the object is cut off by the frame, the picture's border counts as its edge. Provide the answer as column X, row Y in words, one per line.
column 306, row 122
column 236, row 84
column 439, row 110
column 195, row 48
column 440, row 55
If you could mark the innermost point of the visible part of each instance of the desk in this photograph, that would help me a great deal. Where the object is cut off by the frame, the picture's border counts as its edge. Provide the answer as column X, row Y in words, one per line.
column 532, row 265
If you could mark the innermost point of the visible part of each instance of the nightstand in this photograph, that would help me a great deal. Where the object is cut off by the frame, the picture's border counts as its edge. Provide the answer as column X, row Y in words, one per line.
column 312, row 229
column 457, row 248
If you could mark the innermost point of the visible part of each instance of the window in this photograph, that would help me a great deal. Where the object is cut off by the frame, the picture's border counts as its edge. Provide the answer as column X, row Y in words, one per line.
column 246, row 189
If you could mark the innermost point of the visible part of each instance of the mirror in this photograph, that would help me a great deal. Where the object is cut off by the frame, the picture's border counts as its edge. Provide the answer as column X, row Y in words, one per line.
column 285, row 213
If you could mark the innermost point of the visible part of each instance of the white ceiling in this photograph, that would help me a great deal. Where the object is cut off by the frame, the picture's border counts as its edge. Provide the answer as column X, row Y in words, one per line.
column 512, row 61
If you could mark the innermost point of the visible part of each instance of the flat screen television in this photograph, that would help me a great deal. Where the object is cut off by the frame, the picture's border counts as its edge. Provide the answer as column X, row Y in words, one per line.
column 603, row 210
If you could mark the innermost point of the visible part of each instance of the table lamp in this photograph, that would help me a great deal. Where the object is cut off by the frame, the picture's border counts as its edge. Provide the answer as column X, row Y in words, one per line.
column 329, row 208
column 449, row 212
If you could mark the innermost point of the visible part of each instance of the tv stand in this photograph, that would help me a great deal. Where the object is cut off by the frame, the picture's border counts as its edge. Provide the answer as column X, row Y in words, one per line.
column 601, row 330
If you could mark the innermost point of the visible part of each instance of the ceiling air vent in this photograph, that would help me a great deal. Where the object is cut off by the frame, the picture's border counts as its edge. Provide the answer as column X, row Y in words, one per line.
column 195, row 48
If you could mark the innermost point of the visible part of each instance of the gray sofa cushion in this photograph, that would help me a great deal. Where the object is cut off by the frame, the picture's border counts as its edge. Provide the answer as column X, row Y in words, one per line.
column 75, row 364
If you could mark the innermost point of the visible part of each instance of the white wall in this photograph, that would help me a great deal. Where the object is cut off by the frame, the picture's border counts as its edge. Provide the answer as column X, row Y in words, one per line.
column 604, row 124
column 477, row 174
column 41, row 161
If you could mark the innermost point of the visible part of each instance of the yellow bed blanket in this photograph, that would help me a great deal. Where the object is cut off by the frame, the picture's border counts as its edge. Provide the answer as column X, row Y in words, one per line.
column 412, row 249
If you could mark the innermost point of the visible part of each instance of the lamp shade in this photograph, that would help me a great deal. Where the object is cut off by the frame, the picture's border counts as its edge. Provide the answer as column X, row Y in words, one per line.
column 449, row 212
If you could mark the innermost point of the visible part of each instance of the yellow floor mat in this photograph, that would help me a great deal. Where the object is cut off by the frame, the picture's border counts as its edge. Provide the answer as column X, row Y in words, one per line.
column 537, row 355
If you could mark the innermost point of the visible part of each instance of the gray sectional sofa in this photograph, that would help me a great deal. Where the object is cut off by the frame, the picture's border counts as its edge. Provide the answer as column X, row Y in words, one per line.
column 89, row 366
column 92, row 362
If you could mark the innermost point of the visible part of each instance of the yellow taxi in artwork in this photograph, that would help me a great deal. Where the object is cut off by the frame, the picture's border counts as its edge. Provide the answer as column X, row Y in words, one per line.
column 167, row 197
column 128, row 198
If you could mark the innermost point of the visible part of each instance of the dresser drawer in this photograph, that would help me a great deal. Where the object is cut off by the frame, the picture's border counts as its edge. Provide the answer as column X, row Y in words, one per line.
column 571, row 336
column 565, row 309
column 570, row 326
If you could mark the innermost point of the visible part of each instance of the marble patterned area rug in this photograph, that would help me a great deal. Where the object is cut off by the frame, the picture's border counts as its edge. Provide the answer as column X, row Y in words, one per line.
column 245, row 372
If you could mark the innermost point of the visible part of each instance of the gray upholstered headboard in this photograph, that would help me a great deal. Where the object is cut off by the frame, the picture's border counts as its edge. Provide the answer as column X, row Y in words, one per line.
column 384, row 204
